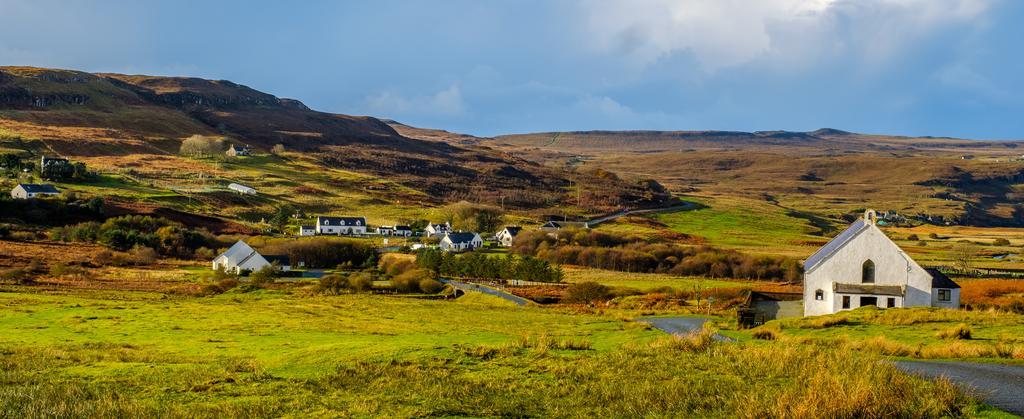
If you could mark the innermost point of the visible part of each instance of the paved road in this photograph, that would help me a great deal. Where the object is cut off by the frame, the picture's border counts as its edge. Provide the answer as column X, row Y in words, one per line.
column 682, row 326
column 999, row 385
column 680, row 207
column 465, row 286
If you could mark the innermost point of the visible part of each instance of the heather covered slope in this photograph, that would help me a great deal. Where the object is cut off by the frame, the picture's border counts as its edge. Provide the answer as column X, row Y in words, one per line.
column 113, row 120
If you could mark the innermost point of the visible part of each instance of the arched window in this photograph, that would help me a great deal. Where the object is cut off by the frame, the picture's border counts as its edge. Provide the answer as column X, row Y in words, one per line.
column 867, row 274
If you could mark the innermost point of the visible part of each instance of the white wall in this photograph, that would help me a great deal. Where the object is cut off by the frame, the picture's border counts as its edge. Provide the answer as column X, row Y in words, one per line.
column 892, row 267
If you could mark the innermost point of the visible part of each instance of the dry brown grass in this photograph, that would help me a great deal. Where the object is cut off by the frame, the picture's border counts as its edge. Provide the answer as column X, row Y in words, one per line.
column 960, row 331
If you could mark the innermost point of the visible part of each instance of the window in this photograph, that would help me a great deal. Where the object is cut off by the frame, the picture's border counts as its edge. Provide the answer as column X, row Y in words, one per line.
column 890, row 302
column 867, row 273
column 868, row 301
column 846, row 301
column 819, row 295
column 945, row 295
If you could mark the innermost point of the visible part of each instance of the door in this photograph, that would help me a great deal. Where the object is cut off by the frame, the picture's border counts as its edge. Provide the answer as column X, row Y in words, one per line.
column 868, row 301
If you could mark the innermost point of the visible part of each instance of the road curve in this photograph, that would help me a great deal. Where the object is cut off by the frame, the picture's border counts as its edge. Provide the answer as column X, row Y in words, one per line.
column 466, row 286
column 682, row 326
column 999, row 385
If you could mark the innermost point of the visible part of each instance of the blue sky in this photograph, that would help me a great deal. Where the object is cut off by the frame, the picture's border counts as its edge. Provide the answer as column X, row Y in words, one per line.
column 913, row 67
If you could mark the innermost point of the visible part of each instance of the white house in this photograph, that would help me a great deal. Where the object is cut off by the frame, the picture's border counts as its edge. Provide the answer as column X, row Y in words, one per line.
column 861, row 267
column 341, row 225
column 307, row 231
column 242, row 189
column 240, row 151
column 507, row 235
column 395, row 231
column 30, row 191
column 240, row 257
column 460, row 241
column 437, row 230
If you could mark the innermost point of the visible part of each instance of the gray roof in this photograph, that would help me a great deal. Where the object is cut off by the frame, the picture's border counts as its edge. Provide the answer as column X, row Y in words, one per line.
column 281, row 260
column 940, row 280
column 461, row 237
column 341, row 221
column 403, row 228
column 38, row 188
column 835, row 244
column 513, row 230
column 565, row 224
column 868, row 289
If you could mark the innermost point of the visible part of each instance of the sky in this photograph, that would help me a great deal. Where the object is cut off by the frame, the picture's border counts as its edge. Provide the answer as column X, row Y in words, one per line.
column 908, row 67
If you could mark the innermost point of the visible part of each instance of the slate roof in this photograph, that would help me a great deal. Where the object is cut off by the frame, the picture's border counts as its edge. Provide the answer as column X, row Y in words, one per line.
column 282, row 260
column 513, row 230
column 341, row 221
column 38, row 188
column 238, row 253
column 835, row 244
column 867, row 289
column 940, row 280
column 461, row 237
column 403, row 228
column 565, row 224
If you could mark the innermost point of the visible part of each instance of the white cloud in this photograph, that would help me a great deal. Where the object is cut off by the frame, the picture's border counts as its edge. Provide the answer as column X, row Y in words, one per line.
column 726, row 33
column 447, row 102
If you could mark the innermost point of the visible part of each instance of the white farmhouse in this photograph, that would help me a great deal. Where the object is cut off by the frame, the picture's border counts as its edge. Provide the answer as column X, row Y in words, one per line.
column 460, row 241
column 307, row 230
column 862, row 267
column 240, row 257
column 437, row 230
column 242, row 189
column 346, row 226
column 31, row 191
column 507, row 235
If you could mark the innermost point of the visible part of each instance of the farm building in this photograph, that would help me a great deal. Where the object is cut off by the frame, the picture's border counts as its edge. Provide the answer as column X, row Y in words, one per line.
column 31, row 191
column 506, row 235
column 762, row 306
column 461, row 241
column 238, row 151
column 307, row 231
column 437, row 230
column 341, row 225
column 242, row 189
column 862, row 267
column 240, row 258
column 395, row 231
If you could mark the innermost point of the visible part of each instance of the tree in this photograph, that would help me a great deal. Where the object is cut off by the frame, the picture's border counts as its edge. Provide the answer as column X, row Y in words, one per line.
column 277, row 150
column 963, row 255
column 473, row 217
column 586, row 292
column 264, row 275
column 202, row 146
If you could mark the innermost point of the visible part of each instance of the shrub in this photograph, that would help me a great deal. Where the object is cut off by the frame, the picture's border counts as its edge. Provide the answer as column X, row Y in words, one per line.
column 140, row 255
column 326, row 252
column 264, row 275
column 959, row 332
column 765, row 333
column 5, row 231
column 586, row 292
column 1001, row 242
column 202, row 146
column 394, row 264
column 360, row 281
column 823, row 322
column 922, row 243
column 19, row 276
column 430, row 286
column 913, row 238
column 409, row 282
column 933, row 236
column 332, row 284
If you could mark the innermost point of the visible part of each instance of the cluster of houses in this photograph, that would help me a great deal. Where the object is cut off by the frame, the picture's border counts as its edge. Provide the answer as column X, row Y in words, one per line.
column 449, row 239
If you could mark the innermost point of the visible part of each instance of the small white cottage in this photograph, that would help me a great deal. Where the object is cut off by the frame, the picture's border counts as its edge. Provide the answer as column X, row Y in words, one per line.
column 240, row 258
column 862, row 267
column 437, row 230
column 242, row 189
column 507, row 235
column 460, row 241
column 31, row 191
column 345, row 226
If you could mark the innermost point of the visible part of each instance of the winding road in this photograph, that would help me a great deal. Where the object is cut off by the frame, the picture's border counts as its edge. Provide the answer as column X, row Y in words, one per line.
column 999, row 385
column 466, row 286
column 680, row 207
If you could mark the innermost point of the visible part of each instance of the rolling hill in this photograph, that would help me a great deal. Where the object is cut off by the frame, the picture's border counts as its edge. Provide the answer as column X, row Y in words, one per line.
column 130, row 127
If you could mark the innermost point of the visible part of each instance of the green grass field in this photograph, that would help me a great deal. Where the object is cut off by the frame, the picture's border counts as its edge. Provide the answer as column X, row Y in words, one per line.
column 291, row 353
column 645, row 281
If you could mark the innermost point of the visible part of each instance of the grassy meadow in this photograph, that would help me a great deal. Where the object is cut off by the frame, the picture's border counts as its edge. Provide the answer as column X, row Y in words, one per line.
column 292, row 353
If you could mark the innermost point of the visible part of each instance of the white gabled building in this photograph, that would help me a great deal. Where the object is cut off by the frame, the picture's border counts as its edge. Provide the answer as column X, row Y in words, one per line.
column 307, row 230
column 460, row 242
column 862, row 267
column 240, row 257
column 437, row 230
column 341, row 226
column 507, row 235
column 32, row 191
